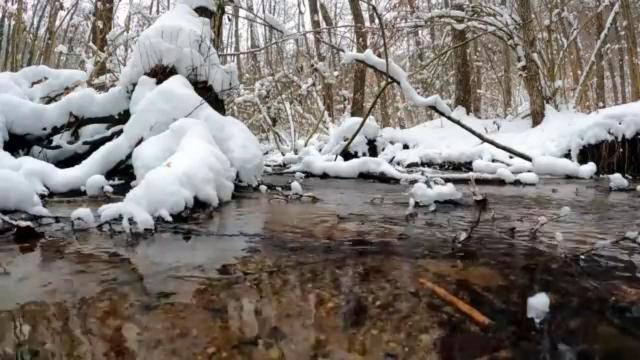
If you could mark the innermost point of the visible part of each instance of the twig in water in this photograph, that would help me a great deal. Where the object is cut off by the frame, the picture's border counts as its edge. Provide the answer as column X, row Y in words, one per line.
column 475, row 315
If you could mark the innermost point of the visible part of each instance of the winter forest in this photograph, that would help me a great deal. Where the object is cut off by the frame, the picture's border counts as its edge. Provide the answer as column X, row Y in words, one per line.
column 319, row 179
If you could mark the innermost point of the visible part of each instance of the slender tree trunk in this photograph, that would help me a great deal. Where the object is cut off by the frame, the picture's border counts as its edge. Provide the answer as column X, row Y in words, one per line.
column 47, row 54
column 621, row 68
column 314, row 14
column 507, row 102
column 600, row 91
column 34, row 43
column 531, row 71
column 360, row 73
column 477, row 81
column 632, row 49
column 612, row 69
column 462, row 66
column 7, row 50
column 236, row 39
column 103, row 23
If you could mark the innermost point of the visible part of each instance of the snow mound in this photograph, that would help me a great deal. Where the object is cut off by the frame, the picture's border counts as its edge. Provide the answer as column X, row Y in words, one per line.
column 528, row 178
column 505, row 175
column 617, row 182
column 338, row 136
column 84, row 215
column 296, row 188
column 426, row 195
column 180, row 39
column 538, row 307
column 197, row 169
column 96, row 185
column 17, row 194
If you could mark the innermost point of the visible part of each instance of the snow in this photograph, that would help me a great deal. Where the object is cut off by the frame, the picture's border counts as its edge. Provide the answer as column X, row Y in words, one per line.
column 276, row 24
column 631, row 235
column 193, row 4
column 505, row 175
column 487, row 167
column 399, row 75
column 538, row 307
column 318, row 165
column 298, row 176
column 96, row 185
column 197, row 169
column 263, row 189
column 296, row 188
column 564, row 211
column 426, row 195
column 180, row 38
column 548, row 165
column 617, row 182
column 17, row 194
column 527, row 178
column 84, row 215
column 338, row 136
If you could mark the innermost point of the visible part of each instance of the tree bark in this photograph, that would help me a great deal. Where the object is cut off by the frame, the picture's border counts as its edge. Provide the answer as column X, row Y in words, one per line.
column 531, row 71
column 47, row 54
column 600, row 91
column 632, row 49
column 621, row 68
column 314, row 14
column 462, row 67
column 103, row 23
column 360, row 73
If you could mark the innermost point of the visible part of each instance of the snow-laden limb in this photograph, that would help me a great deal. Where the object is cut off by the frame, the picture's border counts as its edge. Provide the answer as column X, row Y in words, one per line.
column 22, row 116
column 427, row 195
column 17, row 194
column 340, row 134
column 155, row 109
column 400, row 76
column 35, row 82
column 180, row 39
column 197, row 169
column 318, row 165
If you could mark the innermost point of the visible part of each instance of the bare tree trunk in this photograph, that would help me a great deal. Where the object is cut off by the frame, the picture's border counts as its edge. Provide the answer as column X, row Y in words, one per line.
column 253, row 42
column 360, row 73
column 34, row 43
column 315, row 26
column 477, row 81
column 7, row 50
column 102, row 25
column 236, row 39
column 632, row 49
column 612, row 69
column 621, row 69
column 47, row 54
column 17, row 34
column 531, row 71
column 217, row 26
column 463, row 89
column 600, row 95
column 507, row 102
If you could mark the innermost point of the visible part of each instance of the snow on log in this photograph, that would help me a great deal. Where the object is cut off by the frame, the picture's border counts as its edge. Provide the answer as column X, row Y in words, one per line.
column 181, row 40
column 197, row 169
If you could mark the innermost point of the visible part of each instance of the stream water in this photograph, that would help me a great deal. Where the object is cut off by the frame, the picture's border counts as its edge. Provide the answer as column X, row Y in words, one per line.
column 264, row 278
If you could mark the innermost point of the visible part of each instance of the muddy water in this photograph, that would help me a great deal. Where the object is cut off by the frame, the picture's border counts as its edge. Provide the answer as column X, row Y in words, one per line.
column 262, row 278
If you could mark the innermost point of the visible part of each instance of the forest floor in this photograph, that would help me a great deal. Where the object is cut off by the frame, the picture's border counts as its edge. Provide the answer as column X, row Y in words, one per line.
column 266, row 278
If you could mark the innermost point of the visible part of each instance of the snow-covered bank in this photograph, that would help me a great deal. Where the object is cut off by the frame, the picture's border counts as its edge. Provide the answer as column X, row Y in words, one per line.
column 562, row 134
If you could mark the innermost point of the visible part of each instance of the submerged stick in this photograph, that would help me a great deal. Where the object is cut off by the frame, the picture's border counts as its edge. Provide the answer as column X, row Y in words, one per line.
column 456, row 302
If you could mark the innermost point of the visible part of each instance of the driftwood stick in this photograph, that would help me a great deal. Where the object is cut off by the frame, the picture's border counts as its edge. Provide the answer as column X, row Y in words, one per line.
column 456, row 302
